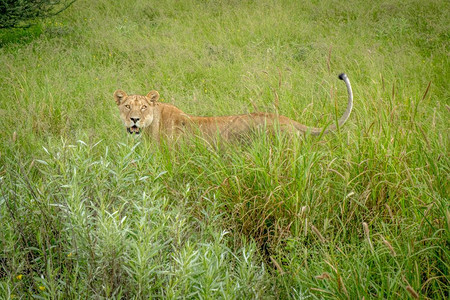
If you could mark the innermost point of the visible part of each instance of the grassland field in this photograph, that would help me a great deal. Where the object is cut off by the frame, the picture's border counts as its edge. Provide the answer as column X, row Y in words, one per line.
column 90, row 212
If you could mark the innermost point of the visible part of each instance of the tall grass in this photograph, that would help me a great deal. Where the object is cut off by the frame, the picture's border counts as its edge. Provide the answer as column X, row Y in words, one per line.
column 90, row 212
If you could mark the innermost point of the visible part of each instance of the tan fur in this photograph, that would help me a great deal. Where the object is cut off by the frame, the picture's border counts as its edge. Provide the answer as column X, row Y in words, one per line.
column 160, row 119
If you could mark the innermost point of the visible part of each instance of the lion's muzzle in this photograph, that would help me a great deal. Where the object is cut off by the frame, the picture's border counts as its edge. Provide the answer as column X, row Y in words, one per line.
column 134, row 129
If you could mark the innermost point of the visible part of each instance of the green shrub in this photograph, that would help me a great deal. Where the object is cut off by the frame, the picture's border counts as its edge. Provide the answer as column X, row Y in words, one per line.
column 17, row 13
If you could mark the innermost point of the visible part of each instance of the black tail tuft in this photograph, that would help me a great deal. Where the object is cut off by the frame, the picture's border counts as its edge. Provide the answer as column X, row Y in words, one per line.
column 342, row 76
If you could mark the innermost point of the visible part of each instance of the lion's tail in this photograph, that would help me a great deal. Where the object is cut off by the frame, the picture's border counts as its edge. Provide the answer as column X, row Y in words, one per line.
column 342, row 120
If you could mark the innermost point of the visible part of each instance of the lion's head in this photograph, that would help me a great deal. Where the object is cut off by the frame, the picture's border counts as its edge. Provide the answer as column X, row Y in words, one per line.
column 136, row 111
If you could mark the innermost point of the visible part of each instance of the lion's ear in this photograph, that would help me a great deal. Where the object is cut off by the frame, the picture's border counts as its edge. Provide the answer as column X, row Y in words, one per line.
column 119, row 95
column 153, row 96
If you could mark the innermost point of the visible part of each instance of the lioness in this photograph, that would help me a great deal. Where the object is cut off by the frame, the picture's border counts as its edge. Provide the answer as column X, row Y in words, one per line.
column 145, row 113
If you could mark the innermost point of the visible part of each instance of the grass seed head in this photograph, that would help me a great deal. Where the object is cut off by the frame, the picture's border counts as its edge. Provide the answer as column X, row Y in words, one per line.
column 305, row 210
column 367, row 233
column 366, row 230
column 391, row 249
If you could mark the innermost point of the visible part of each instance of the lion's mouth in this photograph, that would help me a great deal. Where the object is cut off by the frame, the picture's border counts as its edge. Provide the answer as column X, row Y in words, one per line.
column 134, row 129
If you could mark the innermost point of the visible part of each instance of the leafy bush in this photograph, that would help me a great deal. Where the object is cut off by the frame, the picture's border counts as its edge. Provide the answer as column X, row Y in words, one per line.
column 17, row 13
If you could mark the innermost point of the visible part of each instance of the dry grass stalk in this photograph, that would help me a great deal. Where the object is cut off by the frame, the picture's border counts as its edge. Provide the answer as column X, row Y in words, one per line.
column 31, row 166
column 412, row 292
column 277, row 266
column 341, row 285
column 319, row 235
column 323, row 276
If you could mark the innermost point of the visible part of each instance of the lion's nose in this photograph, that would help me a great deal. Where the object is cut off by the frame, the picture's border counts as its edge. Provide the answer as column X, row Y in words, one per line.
column 135, row 120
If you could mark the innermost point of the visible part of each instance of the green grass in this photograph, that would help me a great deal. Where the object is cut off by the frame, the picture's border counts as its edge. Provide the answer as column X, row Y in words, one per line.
column 90, row 212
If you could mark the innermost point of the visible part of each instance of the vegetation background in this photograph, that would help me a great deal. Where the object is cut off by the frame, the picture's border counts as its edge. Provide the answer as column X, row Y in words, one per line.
column 87, row 211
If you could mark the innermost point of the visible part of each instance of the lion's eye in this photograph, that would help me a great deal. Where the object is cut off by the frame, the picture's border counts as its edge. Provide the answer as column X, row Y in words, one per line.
column 127, row 106
column 144, row 107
